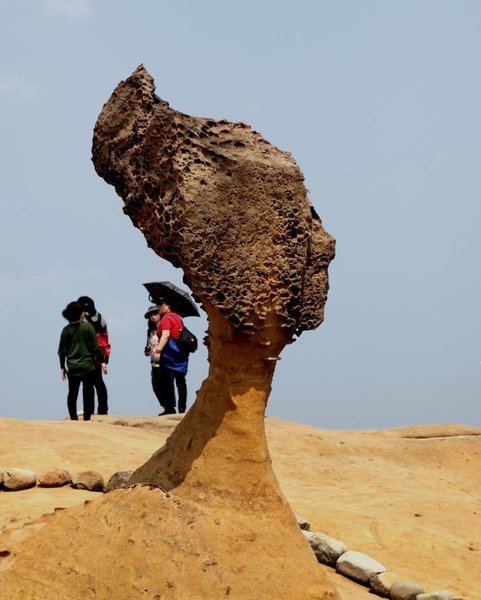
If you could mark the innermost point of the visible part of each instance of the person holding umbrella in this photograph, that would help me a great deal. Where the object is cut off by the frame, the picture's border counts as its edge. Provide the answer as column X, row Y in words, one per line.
column 173, row 361
column 169, row 351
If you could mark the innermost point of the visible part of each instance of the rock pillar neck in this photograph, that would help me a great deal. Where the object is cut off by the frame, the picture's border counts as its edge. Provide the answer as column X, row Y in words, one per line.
column 220, row 445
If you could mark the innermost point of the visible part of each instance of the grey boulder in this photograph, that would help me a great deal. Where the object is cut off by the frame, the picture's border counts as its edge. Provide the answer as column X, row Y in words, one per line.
column 406, row 590
column 358, row 566
column 120, row 479
column 326, row 549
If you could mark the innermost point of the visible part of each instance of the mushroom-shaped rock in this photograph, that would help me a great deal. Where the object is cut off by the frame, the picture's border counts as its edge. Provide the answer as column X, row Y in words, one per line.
column 218, row 200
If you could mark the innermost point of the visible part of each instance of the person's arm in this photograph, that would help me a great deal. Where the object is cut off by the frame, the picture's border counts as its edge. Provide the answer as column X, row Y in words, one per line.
column 62, row 354
column 163, row 333
column 164, row 338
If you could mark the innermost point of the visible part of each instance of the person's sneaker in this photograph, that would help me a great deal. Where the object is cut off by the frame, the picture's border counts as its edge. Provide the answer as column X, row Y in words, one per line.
column 167, row 412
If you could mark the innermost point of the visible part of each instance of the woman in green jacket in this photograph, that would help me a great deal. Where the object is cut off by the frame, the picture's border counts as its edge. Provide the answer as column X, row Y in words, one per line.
column 77, row 348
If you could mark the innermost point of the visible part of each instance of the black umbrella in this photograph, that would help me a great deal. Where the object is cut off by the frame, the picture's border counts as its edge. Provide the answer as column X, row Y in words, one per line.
column 178, row 300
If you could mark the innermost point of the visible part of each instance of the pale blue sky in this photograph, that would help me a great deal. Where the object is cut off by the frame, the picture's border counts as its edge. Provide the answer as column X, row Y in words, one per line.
column 380, row 104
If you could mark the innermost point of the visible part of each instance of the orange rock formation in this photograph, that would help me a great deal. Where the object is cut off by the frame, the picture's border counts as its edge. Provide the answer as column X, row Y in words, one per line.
column 231, row 210
column 218, row 200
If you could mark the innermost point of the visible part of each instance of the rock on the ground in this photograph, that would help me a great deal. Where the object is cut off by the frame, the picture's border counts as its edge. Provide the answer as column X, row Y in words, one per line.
column 303, row 523
column 326, row 549
column 406, row 590
column 358, row 566
column 381, row 583
column 15, row 478
column 88, row 480
column 54, row 478
column 118, row 480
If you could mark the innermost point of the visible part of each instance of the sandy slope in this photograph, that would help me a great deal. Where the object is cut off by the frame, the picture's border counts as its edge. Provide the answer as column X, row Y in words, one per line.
column 409, row 497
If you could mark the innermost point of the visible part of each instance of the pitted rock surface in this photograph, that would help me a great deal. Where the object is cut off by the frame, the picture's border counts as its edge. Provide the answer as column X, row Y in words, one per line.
column 218, row 200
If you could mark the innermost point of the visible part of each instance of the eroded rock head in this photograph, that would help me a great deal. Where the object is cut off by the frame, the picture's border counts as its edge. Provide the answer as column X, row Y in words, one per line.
column 219, row 201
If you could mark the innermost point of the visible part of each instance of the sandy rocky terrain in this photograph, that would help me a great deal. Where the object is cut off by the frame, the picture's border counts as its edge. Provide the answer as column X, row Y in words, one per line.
column 408, row 497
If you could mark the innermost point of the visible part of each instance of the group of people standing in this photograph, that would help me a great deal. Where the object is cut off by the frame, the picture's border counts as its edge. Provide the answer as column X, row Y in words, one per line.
column 84, row 352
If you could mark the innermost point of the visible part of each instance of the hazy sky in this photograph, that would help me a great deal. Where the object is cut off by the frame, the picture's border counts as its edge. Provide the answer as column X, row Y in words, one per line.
column 378, row 101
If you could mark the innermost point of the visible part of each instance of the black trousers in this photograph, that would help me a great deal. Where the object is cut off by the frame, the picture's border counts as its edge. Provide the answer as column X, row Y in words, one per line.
column 87, row 382
column 181, row 386
column 163, row 386
column 101, row 390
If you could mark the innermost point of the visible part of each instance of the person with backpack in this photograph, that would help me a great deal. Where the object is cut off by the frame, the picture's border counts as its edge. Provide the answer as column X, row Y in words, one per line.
column 76, row 350
column 100, row 326
column 153, row 317
column 173, row 359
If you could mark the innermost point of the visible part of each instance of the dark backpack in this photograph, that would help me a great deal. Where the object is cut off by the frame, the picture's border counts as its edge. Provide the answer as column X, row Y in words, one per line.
column 187, row 341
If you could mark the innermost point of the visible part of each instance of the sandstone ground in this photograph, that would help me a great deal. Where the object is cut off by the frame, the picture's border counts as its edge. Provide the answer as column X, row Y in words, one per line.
column 409, row 497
